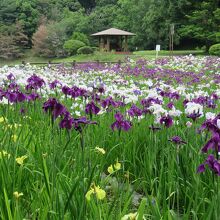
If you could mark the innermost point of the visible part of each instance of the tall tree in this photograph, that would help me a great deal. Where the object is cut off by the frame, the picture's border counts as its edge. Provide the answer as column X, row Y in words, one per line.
column 28, row 15
column 203, row 24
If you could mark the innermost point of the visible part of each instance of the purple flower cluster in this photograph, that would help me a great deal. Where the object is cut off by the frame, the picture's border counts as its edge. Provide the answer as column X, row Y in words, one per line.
column 34, row 82
column 166, row 121
column 121, row 123
column 212, row 144
column 54, row 107
column 134, row 111
column 177, row 140
column 91, row 108
column 108, row 102
column 212, row 163
column 74, row 92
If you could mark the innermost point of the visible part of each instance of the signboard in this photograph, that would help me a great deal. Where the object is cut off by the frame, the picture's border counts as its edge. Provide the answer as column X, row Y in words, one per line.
column 157, row 47
column 172, row 29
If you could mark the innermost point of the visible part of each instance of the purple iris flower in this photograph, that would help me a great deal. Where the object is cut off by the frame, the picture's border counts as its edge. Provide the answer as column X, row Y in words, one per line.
column 101, row 89
column 13, row 86
column 185, row 102
column 91, row 108
column 59, row 109
column 11, row 96
column 137, row 92
column 212, row 163
column 33, row 97
column 106, row 103
column 66, row 90
column 194, row 116
column 54, row 84
column 177, row 140
column 23, row 111
column 54, row 107
column 149, row 101
column 215, row 96
column 67, row 122
column 34, row 82
column 134, row 111
column 80, row 122
column 121, row 123
column 213, row 143
column 170, row 105
column 167, row 121
column 21, row 97
column 11, row 77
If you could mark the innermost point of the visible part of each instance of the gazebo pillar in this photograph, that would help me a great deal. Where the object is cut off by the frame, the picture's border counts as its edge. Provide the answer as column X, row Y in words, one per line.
column 101, row 43
column 108, row 44
column 126, row 44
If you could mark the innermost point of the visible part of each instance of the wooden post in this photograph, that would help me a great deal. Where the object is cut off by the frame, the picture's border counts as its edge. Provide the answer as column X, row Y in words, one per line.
column 126, row 43
column 49, row 64
column 108, row 44
column 119, row 62
column 101, row 45
column 73, row 64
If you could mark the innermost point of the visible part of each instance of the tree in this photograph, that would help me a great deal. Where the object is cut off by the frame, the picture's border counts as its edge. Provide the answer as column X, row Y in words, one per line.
column 8, row 11
column 13, row 41
column 203, row 24
column 40, row 42
column 28, row 15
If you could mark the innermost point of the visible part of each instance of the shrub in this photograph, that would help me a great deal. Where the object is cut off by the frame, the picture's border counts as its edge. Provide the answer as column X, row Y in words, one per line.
column 85, row 50
column 81, row 37
column 215, row 50
column 71, row 46
column 95, row 49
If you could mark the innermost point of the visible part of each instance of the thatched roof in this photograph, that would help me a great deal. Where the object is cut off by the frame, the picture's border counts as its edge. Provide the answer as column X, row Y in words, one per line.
column 113, row 31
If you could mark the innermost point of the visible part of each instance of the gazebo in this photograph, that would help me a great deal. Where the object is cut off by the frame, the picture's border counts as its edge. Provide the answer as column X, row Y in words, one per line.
column 113, row 39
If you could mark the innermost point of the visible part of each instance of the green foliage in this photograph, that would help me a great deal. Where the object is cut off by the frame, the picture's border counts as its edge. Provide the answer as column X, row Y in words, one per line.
column 71, row 46
column 215, row 50
column 85, row 50
column 197, row 23
column 28, row 15
column 13, row 41
column 81, row 37
column 8, row 11
column 203, row 23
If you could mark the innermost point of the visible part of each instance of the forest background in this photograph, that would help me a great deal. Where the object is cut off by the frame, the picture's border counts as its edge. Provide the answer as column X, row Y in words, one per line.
column 58, row 28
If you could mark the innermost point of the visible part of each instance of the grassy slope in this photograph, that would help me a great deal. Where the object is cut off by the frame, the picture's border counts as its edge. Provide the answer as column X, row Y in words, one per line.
column 29, row 57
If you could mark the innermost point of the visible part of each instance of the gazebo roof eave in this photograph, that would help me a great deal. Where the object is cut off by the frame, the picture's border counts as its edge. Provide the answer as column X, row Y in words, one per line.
column 113, row 32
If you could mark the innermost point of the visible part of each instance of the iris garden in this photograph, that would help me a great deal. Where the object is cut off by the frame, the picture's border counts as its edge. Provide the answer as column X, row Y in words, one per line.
column 139, row 140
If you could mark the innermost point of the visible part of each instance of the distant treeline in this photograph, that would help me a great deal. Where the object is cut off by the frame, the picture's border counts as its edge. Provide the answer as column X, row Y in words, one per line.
column 61, row 27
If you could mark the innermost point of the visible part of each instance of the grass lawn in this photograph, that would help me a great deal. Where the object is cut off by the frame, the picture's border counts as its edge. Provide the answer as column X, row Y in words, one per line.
column 103, row 57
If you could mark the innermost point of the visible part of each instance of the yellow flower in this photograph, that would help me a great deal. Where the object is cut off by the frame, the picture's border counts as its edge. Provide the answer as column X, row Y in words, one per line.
column 130, row 216
column 4, row 154
column 110, row 169
column 99, row 193
column 2, row 119
column 17, row 194
column 117, row 166
column 20, row 160
column 14, row 137
column 89, row 193
column 100, row 150
column 17, row 125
